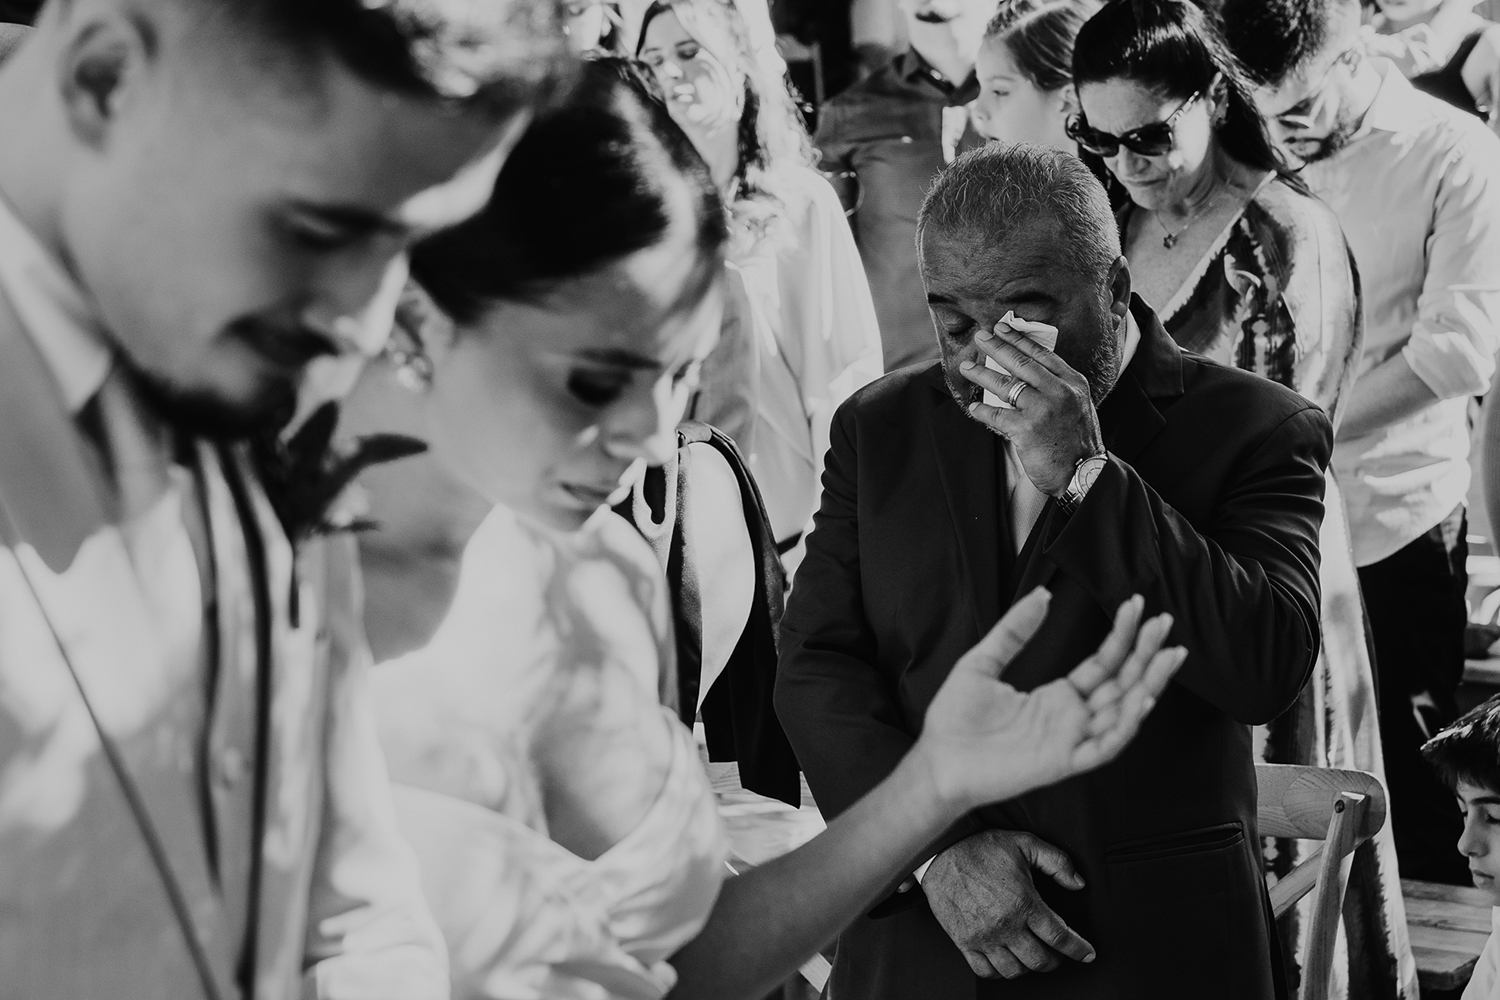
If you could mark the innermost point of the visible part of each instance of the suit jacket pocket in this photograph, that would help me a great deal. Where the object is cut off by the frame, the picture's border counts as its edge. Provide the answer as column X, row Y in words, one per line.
column 1184, row 914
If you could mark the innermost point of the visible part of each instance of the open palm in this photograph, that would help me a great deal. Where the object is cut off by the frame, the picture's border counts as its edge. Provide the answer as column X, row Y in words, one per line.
column 987, row 741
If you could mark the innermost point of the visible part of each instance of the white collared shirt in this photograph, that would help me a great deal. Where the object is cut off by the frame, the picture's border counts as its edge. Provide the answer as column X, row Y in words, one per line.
column 55, row 313
column 1417, row 190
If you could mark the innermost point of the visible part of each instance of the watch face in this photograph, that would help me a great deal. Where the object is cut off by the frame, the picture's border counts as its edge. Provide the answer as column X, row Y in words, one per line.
column 1089, row 471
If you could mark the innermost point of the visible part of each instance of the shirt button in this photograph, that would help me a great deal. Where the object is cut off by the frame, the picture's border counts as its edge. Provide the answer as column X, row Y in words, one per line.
column 231, row 767
column 906, row 139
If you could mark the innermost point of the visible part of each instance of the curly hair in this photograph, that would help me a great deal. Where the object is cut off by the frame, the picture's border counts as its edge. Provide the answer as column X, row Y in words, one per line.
column 772, row 136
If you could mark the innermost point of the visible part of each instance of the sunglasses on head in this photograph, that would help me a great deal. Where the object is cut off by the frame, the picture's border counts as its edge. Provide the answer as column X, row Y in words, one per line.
column 1148, row 140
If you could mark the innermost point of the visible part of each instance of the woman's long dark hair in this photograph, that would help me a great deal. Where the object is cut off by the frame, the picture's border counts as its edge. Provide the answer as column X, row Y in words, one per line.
column 591, row 182
column 1176, row 48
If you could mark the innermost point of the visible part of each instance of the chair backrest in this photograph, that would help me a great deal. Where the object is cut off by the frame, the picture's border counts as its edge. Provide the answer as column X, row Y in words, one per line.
column 1298, row 802
column 1341, row 808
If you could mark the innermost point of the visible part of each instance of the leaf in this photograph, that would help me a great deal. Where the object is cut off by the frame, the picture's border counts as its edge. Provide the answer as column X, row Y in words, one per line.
column 304, row 476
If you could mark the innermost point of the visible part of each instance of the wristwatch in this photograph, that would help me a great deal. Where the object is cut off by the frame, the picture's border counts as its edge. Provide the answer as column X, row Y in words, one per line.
column 1084, row 474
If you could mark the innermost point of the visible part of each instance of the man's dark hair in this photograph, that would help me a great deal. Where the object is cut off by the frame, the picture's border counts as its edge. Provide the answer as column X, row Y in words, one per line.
column 1272, row 39
column 499, row 54
column 603, row 175
column 1469, row 750
column 19, row 11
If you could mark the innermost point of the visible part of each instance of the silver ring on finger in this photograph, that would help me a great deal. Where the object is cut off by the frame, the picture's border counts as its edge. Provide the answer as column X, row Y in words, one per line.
column 1016, row 388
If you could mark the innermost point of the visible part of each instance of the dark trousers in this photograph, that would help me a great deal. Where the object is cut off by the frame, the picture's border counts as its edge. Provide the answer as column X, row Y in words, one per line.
column 1415, row 600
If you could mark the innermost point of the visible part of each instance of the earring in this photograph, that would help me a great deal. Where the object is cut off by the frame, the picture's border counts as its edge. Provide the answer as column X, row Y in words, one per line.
column 417, row 318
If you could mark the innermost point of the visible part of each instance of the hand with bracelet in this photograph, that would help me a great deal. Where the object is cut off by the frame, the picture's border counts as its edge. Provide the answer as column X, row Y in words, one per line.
column 1051, row 421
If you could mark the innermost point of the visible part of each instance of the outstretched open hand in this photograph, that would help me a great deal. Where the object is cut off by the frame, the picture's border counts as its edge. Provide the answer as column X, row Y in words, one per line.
column 986, row 742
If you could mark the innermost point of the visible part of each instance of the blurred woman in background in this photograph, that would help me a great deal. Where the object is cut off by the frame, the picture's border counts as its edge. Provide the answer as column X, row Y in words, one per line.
column 800, row 332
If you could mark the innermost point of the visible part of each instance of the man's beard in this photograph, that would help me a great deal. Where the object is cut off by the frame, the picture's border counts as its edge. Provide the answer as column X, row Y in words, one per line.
column 203, row 414
column 1099, row 363
column 287, row 348
column 1343, row 131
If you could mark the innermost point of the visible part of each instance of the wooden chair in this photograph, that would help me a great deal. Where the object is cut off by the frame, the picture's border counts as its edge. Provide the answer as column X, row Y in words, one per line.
column 1341, row 808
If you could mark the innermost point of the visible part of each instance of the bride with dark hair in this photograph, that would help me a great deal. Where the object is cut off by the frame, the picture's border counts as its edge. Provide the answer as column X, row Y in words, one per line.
column 567, row 835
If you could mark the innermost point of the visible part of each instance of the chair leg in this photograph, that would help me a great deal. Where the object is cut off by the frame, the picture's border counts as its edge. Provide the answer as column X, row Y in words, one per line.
column 1328, row 902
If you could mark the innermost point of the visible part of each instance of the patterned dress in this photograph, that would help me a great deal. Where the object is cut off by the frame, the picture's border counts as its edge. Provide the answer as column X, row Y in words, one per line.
column 1278, row 294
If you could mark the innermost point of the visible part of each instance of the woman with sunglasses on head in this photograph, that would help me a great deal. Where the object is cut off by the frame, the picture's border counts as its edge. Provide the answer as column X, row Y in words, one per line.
column 567, row 836
column 801, row 332
column 1244, row 266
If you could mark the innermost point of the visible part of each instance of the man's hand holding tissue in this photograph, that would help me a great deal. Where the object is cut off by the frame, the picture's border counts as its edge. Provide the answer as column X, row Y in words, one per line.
column 1033, row 398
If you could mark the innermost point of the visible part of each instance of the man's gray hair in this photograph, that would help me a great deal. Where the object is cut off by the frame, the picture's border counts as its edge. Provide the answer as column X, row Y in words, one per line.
column 988, row 193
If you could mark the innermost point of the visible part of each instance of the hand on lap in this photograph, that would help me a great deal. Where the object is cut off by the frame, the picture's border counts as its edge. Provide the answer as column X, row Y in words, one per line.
column 982, row 893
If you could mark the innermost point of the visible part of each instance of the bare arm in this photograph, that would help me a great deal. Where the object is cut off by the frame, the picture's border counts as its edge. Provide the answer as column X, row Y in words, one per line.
column 768, row 922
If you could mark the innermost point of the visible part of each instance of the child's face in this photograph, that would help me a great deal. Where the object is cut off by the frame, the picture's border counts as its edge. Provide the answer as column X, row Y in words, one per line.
column 1480, row 842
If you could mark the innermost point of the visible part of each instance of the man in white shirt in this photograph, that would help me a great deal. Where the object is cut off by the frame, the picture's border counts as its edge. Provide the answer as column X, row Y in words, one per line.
column 198, row 198
column 1416, row 185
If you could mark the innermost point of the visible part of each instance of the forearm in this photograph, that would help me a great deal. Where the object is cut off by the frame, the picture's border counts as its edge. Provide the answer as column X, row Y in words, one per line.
column 769, row 921
column 1386, row 394
column 1245, row 596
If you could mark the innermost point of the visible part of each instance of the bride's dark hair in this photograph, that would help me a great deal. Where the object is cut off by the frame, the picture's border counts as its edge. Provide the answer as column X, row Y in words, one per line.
column 592, row 181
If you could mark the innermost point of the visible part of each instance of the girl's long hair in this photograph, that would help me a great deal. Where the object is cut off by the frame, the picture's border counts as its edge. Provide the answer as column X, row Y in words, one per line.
column 773, row 140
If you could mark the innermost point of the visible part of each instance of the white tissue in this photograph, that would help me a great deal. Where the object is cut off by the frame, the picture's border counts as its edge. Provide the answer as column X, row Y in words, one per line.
column 1038, row 333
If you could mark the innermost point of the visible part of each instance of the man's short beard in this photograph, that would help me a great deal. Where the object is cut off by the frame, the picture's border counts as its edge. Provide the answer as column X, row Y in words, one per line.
column 1343, row 131
column 200, row 414
column 1100, row 365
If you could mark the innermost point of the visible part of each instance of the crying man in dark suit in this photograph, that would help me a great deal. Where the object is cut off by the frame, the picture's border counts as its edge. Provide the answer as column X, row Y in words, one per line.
column 1107, row 464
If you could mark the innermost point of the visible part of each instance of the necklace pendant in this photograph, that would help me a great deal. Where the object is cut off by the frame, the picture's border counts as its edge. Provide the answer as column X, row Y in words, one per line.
column 1169, row 241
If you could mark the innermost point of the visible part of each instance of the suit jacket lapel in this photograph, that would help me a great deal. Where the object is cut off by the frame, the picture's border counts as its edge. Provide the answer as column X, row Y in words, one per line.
column 55, row 487
column 91, row 593
column 969, row 466
column 1033, row 570
column 1128, row 417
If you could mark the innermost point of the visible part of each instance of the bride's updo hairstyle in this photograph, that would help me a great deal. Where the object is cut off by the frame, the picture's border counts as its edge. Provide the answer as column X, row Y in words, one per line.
column 602, row 176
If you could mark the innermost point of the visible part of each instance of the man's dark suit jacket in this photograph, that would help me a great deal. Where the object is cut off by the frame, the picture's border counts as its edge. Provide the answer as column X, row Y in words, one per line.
column 1209, row 506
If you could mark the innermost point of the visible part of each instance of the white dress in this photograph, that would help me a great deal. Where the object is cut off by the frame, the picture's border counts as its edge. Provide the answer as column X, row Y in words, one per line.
column 524, row 917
